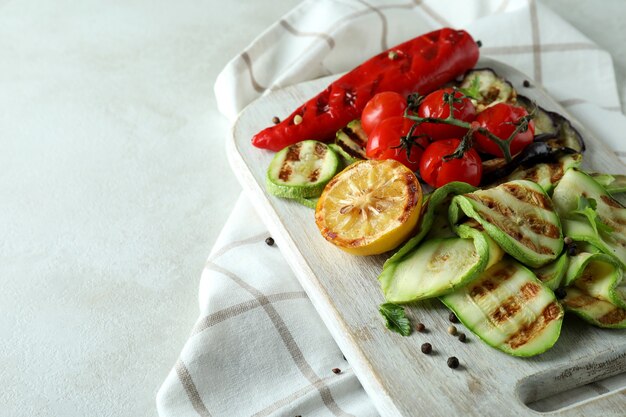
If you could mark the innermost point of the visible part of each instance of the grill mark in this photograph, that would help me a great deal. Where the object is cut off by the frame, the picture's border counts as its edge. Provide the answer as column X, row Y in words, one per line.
column 497, row 277
column 511, row 305
column 614, row 316
column 527, row 195
column 349, row 150
column 579, row 301
column 313, row 176
column 529, row 290
column 518, row 236
column 320, row 150
column 557, row 174
column 285, row 173
column 540, row 227
column 506, row 310
column 355, row 137
column 293, row 154
column 550, row 313
column 610, row 202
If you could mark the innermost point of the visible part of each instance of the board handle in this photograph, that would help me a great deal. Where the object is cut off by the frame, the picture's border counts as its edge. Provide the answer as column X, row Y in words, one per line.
column 562, row 390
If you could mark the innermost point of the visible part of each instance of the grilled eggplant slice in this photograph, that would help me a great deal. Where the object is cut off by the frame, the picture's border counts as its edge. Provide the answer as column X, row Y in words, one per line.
column 544, row 123
column 352, row 140
column 509, row 309
column 439, row 266
column 596, row 290
column 487, row 88
column 552, row 274
column 519, row 216
column 607, row 231
column 547, row 174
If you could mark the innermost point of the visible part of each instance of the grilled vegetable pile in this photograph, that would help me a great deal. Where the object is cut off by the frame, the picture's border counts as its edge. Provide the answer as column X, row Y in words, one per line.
column 500, row 270
column 539, row 239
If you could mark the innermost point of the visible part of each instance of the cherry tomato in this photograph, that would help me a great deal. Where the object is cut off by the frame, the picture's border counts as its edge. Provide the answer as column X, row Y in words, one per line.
column 380, row 107
column 437, row 172
column 384, row 142
column 500, row 120
column 434, row 105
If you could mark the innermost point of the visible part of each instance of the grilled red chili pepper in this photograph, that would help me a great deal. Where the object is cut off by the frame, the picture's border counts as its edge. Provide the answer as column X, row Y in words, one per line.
column 419, row 65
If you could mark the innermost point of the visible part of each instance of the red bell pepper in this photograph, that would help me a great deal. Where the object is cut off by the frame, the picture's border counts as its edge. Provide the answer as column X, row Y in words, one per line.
column 420, row 65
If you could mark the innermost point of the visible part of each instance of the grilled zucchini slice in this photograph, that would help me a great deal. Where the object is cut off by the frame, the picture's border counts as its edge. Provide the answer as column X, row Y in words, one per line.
column 301, row 170
column 596, row 290
column 552, row 274
column 439, row 266
column 352, row 141
column 613, row 183
column 519, row 216
column 436, row 204
column 567, row 196
column 509, row 309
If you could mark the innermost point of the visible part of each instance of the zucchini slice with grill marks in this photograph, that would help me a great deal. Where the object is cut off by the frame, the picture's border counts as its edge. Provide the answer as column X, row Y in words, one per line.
column 596, row 290
column 301, row 170
column 552, row 274
column 509, row 309
column 613, row 183
column 610, row 238
column 519, row 216
column 352, row 140
column 439, row 266
column 436, row 204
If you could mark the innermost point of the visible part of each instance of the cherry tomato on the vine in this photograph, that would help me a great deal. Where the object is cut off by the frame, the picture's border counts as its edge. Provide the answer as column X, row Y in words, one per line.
column 380, row 107
column 501, row 120
column 384, row 142
column 434, row 105
column 437, row 172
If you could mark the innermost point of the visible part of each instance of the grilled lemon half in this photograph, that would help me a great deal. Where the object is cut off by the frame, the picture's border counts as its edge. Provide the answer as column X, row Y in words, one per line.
column 369, row 208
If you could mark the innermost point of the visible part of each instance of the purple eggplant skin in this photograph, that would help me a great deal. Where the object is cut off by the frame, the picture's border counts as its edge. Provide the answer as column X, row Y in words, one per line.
column 556, row 129
column 535, row 153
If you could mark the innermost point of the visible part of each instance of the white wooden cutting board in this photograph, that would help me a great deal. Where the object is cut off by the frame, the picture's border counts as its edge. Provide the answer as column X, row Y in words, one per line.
column 400, row 380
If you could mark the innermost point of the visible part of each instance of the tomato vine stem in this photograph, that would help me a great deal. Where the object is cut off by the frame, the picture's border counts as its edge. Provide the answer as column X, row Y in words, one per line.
column 504, row 144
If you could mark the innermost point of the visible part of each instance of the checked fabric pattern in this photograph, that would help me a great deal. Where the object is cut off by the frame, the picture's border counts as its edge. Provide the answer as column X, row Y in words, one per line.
column 258, row 347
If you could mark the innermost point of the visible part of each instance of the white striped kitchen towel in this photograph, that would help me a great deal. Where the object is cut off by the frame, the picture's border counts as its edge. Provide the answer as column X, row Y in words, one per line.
column 258, row 347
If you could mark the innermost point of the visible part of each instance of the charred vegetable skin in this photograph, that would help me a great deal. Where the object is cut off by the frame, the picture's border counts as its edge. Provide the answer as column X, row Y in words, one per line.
column 421, row 64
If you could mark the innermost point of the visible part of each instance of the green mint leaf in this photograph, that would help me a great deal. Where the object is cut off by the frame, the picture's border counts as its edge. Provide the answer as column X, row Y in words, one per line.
column 474, row 89
column 395, row 319
column 587, row 207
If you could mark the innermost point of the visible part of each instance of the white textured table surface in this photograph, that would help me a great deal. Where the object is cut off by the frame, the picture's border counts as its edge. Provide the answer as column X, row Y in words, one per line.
column 114, row 185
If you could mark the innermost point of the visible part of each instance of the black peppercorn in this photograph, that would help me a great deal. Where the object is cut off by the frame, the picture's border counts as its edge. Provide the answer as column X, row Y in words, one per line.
column 452, row 317
column 479, row 43
column 462, row 337
column 269, row 241
column 427, row 348
column 560, row 293
column 526, row 83
column 572, row 250
column 275, row 120
column 420, row 327
column 453, row 362
column 336, row 370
